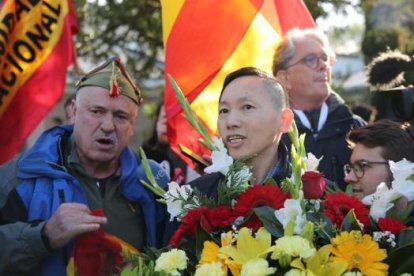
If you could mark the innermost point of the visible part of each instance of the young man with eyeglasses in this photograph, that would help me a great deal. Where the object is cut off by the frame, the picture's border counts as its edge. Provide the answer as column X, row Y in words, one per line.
column 302, row 64
column 373, row 146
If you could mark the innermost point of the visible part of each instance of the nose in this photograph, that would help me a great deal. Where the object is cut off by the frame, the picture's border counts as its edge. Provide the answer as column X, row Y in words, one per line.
column 323, row 63
column 350, row 177
column 107, row 123
column 233, row 120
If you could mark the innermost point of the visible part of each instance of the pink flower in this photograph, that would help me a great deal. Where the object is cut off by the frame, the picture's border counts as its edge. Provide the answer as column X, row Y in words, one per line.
column 313, row 184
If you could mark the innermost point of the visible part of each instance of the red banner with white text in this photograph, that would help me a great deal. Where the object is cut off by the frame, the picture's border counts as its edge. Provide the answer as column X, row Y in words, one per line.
column 35, row 51
column 206, row 40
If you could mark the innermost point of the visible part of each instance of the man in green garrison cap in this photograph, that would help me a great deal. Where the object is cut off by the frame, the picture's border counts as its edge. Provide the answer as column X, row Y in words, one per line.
column 80, row 184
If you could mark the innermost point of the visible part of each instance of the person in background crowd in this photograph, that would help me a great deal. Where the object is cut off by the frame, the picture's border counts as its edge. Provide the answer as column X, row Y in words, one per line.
column 69, row 107
column 158, row 149
column 249, row 96
column 372, row 147
column 49, row 193
column 366, row 112
column 302, row 64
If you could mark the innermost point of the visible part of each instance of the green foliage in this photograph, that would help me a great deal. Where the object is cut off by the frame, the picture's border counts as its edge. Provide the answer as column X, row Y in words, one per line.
column 389, row 24
column 401, row 260
column 350, row 222
column 141, row 264
column 266, row 215
column 130, row 28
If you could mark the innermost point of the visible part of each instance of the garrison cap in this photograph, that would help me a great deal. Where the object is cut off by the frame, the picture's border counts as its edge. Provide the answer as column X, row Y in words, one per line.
column 112, row 75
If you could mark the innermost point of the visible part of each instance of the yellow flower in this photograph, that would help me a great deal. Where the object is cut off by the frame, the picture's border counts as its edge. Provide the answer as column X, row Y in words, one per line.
column 291, row 246
column 247, row 248
column 211, row 254
column 360, row 252
column 171, row 262
column 296, row 272
column 210, row 269
column 320, row 264
column 256, row 267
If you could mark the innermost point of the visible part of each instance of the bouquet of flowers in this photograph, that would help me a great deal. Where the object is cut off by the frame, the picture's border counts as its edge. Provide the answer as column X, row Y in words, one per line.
column 297, row 227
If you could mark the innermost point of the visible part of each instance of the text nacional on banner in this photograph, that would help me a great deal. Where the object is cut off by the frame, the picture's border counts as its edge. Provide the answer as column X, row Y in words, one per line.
column 35, row 50
column 206, row 40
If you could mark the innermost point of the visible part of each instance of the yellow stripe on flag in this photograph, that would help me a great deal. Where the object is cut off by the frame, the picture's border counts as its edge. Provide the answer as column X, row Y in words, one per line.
column 255, row 49
column 32, row 34
column 170, row 11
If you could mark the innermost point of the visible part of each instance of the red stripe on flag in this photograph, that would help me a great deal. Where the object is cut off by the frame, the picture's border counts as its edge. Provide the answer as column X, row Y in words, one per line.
column 38, row 95
column 293, row 14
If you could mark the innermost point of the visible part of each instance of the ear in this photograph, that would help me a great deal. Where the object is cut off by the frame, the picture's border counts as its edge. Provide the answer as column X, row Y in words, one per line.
column 283, row 77
column 287, row 119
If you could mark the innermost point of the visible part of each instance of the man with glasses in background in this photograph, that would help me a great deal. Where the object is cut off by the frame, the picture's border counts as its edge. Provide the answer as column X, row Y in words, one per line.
column 373, row 146
column 302, row 64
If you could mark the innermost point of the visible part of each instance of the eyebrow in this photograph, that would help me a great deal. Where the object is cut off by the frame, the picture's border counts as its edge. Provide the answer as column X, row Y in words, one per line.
column 242, row 99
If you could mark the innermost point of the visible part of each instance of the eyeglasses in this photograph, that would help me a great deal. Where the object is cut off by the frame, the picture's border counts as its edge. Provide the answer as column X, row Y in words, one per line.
column 358, row 167
column 312, row 61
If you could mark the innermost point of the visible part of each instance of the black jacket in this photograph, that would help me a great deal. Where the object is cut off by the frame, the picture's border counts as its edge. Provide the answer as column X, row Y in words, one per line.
column 330, row 142
column 207, row 184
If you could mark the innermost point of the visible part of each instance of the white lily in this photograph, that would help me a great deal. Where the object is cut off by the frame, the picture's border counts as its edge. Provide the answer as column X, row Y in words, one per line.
column 292, row 211
column 221, row 161
column 175, row 199
column 381, row 201
column 311, row 162
column 401, row 170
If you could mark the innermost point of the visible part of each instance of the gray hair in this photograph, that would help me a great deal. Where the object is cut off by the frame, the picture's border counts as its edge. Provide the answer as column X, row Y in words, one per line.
column 287, row 49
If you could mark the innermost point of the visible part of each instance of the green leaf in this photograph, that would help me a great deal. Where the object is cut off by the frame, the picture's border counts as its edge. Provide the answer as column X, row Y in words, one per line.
column 201, row 236
column 323, row 225
column 401, row 260
column 405, row 237
column 195, row 122
column 266, row 215
column 350, row 222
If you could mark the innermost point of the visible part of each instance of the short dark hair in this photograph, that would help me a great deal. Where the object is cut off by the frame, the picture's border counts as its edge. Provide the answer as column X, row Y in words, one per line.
column 70, row 100
column 271, row 84
column 396, row 139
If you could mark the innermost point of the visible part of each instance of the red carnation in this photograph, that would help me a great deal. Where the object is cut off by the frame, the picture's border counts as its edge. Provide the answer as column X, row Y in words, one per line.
column 256, row 196
column 337, row 206
column 222, row 216
column 392, row 225
column 313, row 184
column 188, row 225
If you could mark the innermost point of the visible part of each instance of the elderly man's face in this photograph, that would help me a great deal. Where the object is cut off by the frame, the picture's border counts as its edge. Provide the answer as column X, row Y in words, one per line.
column 103, row 126
column 308, row 87
column 249, row 123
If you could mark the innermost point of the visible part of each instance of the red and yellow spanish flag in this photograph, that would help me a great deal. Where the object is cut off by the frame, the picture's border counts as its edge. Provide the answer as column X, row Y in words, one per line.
column 206, row 40
column 35, row 50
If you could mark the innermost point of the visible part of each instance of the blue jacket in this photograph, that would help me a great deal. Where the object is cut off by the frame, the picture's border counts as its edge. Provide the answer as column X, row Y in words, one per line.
column 44, row 180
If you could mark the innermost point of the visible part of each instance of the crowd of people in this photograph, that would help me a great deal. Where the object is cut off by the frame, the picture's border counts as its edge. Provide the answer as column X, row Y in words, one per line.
column 48, row 193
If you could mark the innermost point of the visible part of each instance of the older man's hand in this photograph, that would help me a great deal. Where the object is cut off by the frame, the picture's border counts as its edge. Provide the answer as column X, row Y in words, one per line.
column 69, row 221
